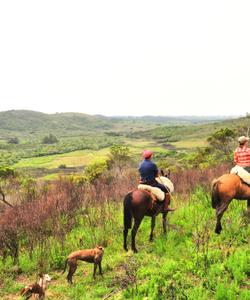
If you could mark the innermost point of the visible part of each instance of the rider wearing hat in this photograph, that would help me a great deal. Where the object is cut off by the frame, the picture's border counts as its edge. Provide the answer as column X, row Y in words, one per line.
column 148, row 172
column 242, row 153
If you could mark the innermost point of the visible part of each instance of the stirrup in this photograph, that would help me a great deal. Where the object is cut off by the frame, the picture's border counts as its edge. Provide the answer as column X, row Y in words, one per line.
column 169, row 209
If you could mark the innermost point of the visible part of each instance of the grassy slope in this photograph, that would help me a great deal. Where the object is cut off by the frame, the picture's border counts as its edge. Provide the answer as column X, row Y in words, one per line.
column 181, row 265
column 194, row 132
column 71, row 159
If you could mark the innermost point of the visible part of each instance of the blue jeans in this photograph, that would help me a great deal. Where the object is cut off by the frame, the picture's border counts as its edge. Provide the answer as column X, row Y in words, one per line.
column 247, row 169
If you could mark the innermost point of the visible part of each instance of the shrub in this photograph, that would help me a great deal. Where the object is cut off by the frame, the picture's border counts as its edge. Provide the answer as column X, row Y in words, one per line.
column 50, row 139
column 13, row 140
column 62, row 166
column 94, row 170
column 119, row 156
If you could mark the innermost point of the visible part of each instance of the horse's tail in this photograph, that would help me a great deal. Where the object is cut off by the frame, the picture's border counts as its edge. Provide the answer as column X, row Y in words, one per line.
column 215, row 193
column 127, row 215
column 65, row 266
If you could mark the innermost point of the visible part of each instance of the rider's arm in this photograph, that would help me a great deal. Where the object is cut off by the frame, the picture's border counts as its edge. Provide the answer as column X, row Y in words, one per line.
column 235, row 157
column 156, row 171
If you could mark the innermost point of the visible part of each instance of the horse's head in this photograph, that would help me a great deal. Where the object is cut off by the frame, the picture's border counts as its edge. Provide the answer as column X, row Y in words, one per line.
column 166, row 173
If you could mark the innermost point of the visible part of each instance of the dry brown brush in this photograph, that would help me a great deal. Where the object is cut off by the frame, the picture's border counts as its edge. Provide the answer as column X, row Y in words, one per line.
column 54, row 210
column 185, row 181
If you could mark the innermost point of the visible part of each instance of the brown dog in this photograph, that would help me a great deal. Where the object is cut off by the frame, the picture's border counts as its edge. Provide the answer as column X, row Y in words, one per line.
column 89, row 255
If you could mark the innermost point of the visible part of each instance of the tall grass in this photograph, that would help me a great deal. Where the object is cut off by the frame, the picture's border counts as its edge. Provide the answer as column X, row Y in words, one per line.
column 190, row 262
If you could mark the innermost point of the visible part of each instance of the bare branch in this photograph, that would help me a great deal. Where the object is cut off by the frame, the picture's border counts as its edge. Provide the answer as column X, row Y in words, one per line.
column 3, row 198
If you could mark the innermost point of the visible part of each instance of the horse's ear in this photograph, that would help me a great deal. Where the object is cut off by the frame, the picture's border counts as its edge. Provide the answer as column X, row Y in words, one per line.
column 162, row 173
column 169, row 172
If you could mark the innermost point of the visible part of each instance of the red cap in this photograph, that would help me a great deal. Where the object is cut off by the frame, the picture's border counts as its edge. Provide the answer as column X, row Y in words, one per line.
column 147, row 154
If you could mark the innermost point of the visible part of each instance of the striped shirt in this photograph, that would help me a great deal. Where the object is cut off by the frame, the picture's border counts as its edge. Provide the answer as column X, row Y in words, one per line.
column 242, row 156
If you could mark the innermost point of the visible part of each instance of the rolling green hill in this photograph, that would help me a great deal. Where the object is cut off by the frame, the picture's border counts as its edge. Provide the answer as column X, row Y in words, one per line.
column 26, row 123
column 23, row 122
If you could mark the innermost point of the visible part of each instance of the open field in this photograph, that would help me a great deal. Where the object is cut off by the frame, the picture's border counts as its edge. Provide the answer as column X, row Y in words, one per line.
column 71, row 159
column 188, row 144
column 85, row 157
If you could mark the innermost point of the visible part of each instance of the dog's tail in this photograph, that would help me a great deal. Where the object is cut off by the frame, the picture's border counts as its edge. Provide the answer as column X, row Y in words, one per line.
column 127, row 216
column 65, row 266
column 26, row 292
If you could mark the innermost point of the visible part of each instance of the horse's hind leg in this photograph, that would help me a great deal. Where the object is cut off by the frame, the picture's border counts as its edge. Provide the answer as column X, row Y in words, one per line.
column 219, row 213
column 125, row 234
column 152, row 229
column 134, row 231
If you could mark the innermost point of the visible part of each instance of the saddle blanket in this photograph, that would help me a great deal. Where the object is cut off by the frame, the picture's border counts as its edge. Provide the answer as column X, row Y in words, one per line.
column 242, row 173
column 160, row 195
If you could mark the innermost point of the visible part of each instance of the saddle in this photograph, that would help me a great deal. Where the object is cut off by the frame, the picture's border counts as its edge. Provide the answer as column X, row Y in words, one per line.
column 156, row 193
column 242, row 173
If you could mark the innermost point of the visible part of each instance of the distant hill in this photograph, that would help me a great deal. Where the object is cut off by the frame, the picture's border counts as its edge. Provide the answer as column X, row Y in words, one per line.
column 196, row 130
column 175, row 119
column 25, row 122
column 19, row 120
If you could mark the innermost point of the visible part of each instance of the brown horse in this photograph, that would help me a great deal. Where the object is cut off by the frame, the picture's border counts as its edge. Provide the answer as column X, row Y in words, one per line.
column 137, row 204
column 224, row 190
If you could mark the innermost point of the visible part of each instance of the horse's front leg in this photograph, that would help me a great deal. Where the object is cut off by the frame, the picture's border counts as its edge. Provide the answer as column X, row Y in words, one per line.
column 248, row 206
column 134, row 231
column 164, row 222
column 152, row 229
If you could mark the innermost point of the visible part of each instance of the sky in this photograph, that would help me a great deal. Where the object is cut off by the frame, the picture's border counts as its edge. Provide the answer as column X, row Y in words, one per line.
column 125, row 57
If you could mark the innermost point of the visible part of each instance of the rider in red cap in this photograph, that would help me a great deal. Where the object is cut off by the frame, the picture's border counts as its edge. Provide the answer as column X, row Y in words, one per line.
column 147, row 154
column 149, row 171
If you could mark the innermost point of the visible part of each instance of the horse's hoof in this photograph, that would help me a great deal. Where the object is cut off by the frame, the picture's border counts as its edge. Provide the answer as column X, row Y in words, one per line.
column 217, row 230
column 126, row 249
column 151, row 240
column 135, row 250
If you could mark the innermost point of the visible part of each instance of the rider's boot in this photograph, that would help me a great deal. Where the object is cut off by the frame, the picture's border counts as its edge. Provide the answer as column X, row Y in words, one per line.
column 166, row 203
